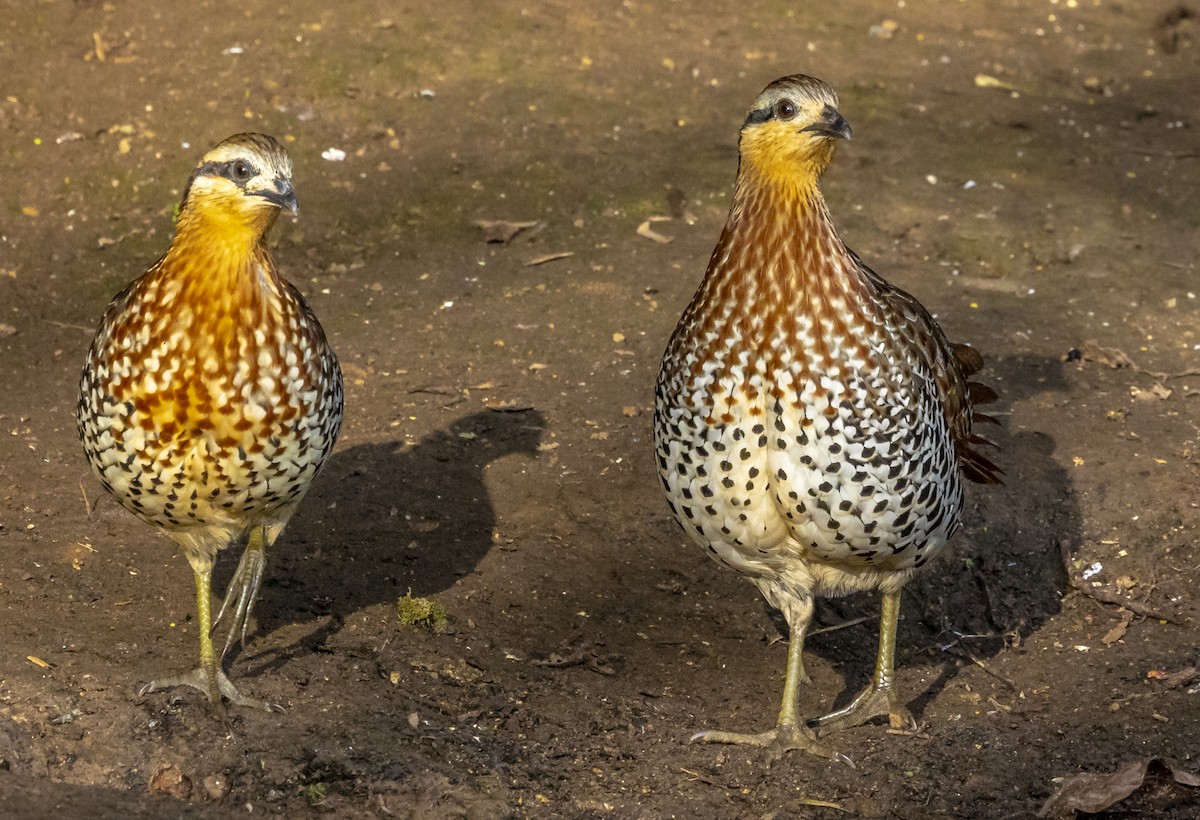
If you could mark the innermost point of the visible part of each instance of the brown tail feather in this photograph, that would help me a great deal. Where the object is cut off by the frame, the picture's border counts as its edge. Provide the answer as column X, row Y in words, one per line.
column 975, row 466
column 981, row 393
column 968, row 358
column 979, row 468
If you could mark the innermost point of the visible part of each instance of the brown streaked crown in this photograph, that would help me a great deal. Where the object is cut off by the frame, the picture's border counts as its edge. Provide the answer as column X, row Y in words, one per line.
column 791, row 127
column 244, row 173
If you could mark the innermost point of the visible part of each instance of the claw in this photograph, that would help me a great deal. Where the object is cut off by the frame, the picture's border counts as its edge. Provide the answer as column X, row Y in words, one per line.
column 783, row 738
column 243, row 590
column 199, row 679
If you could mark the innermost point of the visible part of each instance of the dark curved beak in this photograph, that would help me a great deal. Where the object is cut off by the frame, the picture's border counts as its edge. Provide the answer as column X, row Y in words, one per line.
column 832, row 124
column 282, row 195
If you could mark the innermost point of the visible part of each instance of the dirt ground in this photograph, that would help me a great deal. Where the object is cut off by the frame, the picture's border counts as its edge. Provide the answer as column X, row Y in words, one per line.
column 1027, row 168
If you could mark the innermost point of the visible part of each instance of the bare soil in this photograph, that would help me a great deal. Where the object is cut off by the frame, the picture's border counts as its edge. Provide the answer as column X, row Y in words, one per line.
column 1027, row 168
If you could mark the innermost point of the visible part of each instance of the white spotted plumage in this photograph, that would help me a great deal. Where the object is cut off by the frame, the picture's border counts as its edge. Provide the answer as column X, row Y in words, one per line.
column 210, row 397
column 811, row 421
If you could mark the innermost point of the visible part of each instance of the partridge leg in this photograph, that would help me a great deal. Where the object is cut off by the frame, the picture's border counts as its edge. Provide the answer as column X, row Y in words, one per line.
column 243, row 588
column 788, row 734
column 880, row 698
column 208, row 677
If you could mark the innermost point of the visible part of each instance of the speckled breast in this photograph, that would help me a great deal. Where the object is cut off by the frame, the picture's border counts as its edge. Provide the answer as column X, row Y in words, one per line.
column 204, row 422
column 846, row 461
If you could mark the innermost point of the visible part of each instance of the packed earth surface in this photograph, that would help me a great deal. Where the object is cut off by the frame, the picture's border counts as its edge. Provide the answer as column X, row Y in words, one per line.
column 483, row 607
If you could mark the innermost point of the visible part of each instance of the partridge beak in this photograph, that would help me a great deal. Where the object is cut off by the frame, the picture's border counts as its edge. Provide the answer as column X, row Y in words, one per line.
column 832, row 124
column 281, row 195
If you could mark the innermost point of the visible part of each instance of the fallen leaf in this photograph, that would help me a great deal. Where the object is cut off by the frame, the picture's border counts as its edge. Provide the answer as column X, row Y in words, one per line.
column 1093, row 793
column 644, row 230
column 501, row 230
column 1118, row 632
column 508, row 406
column 988, row 81
column 1107, row 356
column 1155, row 393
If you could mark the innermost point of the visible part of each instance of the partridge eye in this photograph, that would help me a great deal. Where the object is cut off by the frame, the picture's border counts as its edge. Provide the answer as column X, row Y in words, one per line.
column 785, row 109
column 241, row 170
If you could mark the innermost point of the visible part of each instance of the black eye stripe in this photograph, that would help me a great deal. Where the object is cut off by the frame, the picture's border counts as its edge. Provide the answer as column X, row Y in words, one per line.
column 759, row 115
column 226, row 170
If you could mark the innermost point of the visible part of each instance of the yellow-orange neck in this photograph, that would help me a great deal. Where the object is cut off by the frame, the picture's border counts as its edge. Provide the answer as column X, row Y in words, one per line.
column 779, row 238
column 220, row 257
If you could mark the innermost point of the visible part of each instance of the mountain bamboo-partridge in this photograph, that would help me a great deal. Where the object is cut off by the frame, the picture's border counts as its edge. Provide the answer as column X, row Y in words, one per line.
column 812, row 423
column 210, row 396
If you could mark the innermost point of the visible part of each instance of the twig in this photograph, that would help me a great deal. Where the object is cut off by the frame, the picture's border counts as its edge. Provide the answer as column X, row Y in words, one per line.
column 436, row 390
column 1164, row 154
column 70, row 326
column 1103, row 595
column 984, row 667
column 987, row 600
column 823, row 804
column 87, row 505
column 704, row 779
column 844, row 625
column 1173, row 680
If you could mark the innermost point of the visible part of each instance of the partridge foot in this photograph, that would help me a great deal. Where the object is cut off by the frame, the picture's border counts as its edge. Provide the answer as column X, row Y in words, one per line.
column 215, row 688
column 778, row 741
column 870, row 703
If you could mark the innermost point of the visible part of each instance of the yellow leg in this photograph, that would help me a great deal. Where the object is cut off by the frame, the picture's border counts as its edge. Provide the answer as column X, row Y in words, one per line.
column 880, row 698
column 788, row 733
column 208, row 677
column 208, row 660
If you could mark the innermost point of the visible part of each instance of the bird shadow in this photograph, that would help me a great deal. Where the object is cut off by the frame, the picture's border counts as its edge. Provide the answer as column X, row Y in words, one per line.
column 999, row 579
column 384, row 520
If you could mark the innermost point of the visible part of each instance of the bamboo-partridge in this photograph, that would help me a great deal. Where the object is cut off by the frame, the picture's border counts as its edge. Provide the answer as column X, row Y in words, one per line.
column 812, row 423
column 210, row 397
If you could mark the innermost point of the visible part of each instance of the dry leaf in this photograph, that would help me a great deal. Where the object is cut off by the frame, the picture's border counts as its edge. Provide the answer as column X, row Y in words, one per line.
column 644, row 230
column 1107, row 356
column 1093, row 793
column 1155, row 393
column 1118, row 632
column 501, row 230
column 988, row 81
column 508, row 406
